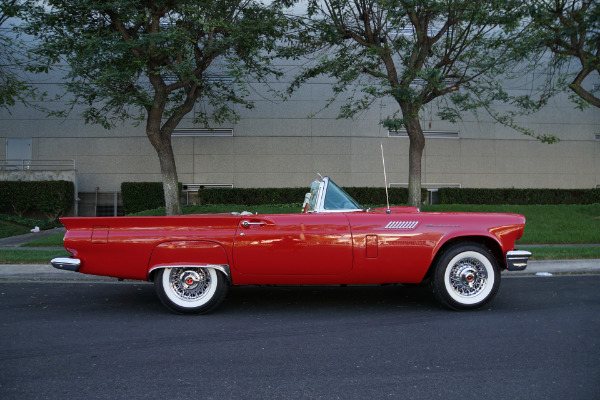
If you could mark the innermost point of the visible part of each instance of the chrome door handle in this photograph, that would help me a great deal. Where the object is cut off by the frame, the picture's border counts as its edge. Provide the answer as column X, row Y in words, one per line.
column 246, row 224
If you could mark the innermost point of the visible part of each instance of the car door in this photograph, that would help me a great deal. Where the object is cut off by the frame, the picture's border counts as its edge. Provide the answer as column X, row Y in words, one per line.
column 395, row 247
column 293, row 244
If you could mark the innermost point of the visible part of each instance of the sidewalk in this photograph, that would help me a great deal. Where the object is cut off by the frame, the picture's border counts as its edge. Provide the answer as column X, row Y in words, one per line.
column 43, row 272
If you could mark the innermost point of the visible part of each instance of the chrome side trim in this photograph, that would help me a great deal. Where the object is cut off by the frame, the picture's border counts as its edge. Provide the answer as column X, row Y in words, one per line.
column 516, row 260
column 66, row 263
column 224, row 268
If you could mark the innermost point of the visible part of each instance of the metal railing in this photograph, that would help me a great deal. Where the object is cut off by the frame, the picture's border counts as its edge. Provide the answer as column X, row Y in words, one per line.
column 36, row 165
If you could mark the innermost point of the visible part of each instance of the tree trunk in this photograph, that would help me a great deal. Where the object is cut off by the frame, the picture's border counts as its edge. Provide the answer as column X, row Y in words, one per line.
column 168, row 169
column 169, row 177
column 415, row 154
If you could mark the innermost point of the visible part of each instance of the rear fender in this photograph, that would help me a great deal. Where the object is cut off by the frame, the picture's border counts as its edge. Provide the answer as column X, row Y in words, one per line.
column 199, row 254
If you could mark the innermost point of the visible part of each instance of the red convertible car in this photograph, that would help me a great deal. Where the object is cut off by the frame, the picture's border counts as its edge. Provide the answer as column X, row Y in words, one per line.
column 193, row 259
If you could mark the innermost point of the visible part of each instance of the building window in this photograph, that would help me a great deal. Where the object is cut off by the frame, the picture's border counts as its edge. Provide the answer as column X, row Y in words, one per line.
column 215, row 77
column 202, row 132
column 428, row 134
column 419, row 82
column 219, row 77
column 194, row 187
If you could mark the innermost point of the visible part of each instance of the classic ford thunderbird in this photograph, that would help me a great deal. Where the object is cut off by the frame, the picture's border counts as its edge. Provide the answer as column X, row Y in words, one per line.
column 193, row 259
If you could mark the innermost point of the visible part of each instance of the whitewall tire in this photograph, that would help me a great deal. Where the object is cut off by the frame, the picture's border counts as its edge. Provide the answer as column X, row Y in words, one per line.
column 466, row 277
column 188, row 290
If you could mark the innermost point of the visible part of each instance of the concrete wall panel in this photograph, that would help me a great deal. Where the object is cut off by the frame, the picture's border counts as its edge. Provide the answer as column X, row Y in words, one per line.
column 300, row 127
column 212, row 145
column 275, row 144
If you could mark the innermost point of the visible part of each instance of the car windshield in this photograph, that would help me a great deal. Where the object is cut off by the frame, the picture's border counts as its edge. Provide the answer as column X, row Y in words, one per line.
column 337, row 199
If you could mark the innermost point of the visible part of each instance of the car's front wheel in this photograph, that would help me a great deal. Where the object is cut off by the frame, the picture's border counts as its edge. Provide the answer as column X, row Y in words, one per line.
column 188, row 290
column 466, row 277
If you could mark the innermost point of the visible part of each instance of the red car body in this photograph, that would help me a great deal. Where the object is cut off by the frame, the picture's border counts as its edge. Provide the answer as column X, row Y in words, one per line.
column 396, row 245
column 289, row 249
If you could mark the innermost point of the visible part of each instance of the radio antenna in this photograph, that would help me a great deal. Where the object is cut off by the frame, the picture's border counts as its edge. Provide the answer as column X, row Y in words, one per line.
column 387, row 197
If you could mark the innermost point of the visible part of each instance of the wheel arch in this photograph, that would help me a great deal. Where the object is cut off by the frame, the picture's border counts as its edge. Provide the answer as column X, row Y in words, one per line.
column 191, row 254
column 484, row 241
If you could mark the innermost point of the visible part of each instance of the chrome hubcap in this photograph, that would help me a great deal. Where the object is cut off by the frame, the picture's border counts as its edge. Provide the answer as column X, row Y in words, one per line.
column 189, row 283
column 468, row 277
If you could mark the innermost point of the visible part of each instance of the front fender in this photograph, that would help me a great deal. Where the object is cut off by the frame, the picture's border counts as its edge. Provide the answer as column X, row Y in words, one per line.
column 189, row 254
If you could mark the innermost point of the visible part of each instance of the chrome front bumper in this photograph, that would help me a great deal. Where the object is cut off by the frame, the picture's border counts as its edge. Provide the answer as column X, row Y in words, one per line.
column 516, row 260
column 67, row 263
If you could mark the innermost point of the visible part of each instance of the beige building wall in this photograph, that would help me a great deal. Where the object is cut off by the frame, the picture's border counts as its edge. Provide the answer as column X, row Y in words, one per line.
column 277, row 144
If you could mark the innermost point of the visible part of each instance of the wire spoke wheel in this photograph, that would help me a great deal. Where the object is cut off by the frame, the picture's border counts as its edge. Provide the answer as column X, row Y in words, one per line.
column 466, row 277
column 190, row 284
column 188, row 290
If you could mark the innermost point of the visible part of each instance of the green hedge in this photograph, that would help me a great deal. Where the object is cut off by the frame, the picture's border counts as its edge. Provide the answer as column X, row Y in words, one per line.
column 259, row 196
column 141, row 196
column 251, row 196
column 29, row 222
column 518, row 196
column 376, row 195
column 52, row 198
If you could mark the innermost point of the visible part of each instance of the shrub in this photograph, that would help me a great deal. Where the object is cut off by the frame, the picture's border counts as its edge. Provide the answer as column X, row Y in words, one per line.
column 251, row 196
column 518, row 196
column 52, row 198
column 140, row 196
column 258, row 196
column 29, row 222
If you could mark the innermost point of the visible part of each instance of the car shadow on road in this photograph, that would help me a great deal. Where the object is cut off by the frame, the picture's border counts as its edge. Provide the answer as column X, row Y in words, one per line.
column 327, row 298
column 127, row 297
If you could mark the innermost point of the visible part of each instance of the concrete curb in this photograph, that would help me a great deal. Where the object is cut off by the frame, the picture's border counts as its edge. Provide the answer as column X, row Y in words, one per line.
column 45, row 272
column 591, row 266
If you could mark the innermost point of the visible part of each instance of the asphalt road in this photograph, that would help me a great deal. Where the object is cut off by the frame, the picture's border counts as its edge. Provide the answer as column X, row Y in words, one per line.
column 539, row 339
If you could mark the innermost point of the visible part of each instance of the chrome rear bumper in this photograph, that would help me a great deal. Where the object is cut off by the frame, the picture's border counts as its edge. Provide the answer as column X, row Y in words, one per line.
column 67, row 263
column 516, row 260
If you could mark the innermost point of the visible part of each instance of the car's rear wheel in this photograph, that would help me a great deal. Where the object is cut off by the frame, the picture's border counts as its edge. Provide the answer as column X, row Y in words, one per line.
column 466, row 277
column 188, row 290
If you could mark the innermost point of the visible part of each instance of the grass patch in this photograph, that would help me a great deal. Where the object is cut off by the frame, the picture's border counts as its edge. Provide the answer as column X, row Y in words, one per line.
column 562, row 253
column 8, row 229
column 31, row 256
column 546, row 224
column 48, row 241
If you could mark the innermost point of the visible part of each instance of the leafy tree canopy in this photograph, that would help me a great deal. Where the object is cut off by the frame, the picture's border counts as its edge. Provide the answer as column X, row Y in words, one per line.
column 570, row 31
column 154, row 60
column 457, row 53
column 124, row 56
column 15, row 85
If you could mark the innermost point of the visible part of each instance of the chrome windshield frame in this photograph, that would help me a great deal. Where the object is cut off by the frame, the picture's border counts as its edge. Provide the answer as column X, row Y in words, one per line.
column 320, row 203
